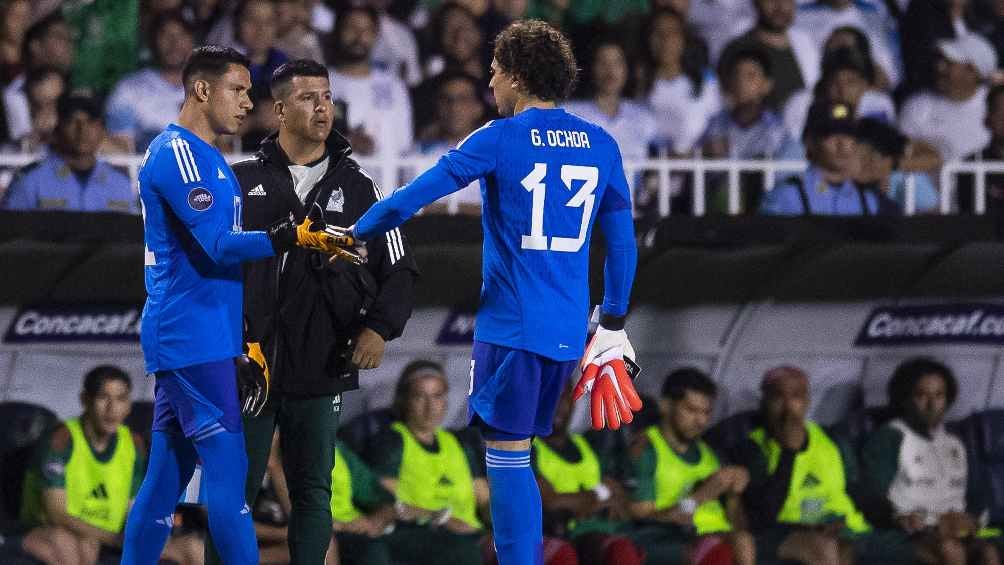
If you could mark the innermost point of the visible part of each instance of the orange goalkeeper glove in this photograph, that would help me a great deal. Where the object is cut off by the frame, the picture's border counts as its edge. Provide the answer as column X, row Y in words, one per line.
column 613, row 399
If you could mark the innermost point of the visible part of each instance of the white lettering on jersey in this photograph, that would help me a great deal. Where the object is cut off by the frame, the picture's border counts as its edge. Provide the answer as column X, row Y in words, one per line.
column 560, row 138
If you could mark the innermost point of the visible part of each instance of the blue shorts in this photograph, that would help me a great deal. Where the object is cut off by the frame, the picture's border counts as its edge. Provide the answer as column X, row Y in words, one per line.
column 513, row 392
column 198, row 401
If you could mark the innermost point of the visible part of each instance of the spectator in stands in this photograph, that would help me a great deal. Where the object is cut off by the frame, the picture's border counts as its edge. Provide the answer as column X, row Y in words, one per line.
column 915, row 472
column 71, row 177
column 256, row 34
column 994, row 151
column 293, row 33
column 719, row 22
column 439, row 484
column 459, row 111
column 820, row 17
column 106, row 42
column 847, row 78
column 145, row 102
column 793, row 54
column 379, row 110
column 396, row 49
column 631, row 124
column 922, row 26
column 679, row 88
column 850, row 37
column 797, row 500
column 16, row 16
column 881, row 149
column 47, row 43
column 687, row 503
column 362, row 512
column 84, row 476
column 581, row 500
column 43, row 86
column 747, row 129
column 456, row 47
column 827, row 187
column 952, row 116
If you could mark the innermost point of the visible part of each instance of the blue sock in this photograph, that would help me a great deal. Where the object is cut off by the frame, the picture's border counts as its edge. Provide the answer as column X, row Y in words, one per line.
column 515, row 504
column 172, row 460
column 224, row 471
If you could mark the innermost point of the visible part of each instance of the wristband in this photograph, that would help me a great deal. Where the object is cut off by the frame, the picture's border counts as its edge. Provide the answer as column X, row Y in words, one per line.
column 602, row 492
column 611, row 322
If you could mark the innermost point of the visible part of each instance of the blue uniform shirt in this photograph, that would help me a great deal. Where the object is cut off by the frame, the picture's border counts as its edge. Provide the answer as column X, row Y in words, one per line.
column 824, row 199
column 546, row 175
column 194, row 247
column 51, row 185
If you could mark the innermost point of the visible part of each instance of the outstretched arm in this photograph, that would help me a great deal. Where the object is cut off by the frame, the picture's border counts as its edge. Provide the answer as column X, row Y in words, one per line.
column 473, row 158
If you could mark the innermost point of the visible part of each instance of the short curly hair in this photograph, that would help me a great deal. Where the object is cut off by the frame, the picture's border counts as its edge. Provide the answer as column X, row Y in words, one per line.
column 538, row 56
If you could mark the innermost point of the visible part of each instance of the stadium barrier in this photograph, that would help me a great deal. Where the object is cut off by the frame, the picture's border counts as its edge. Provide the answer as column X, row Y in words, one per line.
column 391, row 171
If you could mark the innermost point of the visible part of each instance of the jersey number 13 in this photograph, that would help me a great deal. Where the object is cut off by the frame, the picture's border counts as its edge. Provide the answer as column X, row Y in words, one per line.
column 584, row 198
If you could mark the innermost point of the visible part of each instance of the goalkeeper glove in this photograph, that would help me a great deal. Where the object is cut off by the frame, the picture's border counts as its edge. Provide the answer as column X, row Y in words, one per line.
column 252, row 380
column 604, row 366
column 314, row 235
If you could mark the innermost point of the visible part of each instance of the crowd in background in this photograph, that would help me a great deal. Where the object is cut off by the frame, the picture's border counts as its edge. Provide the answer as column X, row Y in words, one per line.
column 739, row 79
column 891, row 485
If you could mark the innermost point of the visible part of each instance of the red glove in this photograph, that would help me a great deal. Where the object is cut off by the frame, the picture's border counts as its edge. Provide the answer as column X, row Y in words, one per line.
column 613, row 399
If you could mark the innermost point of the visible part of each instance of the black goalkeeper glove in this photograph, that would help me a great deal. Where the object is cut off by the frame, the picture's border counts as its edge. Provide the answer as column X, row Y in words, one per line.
column 252, row 380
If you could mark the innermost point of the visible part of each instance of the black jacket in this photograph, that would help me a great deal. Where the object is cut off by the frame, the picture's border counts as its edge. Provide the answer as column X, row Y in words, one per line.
column 302, row 309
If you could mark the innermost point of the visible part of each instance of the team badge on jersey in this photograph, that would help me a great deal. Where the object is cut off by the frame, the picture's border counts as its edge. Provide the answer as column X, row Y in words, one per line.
column 337, row 201
column 200, row 199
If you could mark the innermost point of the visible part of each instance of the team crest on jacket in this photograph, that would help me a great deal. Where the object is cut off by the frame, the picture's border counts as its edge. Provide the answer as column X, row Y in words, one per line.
column 336, row 202
column 200, row 199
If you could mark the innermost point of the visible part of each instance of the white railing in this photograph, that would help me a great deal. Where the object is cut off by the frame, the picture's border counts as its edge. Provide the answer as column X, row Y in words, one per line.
column 394, row 171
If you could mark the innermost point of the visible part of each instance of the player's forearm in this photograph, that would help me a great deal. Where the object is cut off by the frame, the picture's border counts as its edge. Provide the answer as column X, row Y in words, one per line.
column 621, row 261
column 394, row 210
column 236, row 247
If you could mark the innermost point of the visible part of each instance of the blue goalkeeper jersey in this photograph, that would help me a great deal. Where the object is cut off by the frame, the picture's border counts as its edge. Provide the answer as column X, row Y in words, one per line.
column 546, row 175
column 194, row 246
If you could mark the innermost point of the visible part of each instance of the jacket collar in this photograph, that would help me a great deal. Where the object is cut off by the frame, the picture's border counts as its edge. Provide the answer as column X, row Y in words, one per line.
column 338, row 148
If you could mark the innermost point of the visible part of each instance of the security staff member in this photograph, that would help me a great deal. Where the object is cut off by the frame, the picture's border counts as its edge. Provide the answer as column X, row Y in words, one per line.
column 316, row 322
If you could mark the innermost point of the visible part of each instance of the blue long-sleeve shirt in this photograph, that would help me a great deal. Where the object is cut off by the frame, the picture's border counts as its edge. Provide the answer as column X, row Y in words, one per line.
column 546, row 176
column 194, row 247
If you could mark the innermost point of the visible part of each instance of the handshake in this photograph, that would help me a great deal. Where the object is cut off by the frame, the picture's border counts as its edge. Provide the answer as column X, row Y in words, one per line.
column 338, row 242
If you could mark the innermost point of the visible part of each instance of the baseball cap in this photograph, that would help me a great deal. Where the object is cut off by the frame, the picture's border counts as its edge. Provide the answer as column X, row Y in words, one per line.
column 970, row 49
column 827, row 118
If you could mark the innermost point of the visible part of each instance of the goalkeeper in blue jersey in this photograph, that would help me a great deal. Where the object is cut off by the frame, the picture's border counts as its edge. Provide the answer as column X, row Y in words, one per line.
column 546, row 176
column 192, row 326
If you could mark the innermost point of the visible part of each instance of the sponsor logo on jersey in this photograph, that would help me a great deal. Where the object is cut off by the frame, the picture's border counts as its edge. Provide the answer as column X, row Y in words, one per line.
column 99, row 492
column 200, row 199
column 257, row 191
column 337, row 201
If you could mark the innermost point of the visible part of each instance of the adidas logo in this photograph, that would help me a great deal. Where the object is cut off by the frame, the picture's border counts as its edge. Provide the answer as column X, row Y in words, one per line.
column 219, row 174
column 444, row 481
column 811, row 481
column 167, row 521
column 257, row 191
column 99, row 492
column 245, row 510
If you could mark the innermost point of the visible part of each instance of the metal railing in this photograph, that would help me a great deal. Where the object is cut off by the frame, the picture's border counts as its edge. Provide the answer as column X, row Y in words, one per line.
column 393, row 171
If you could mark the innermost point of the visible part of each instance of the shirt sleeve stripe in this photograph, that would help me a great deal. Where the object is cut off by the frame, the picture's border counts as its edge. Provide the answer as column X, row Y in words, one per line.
column 177, row 157
column 191, row 159
column 391, row 251
column 396, row 235
column 185, row 161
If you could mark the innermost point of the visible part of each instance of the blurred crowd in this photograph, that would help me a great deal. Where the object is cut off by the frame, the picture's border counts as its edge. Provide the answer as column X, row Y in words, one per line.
column 912, row 83
column 895, row 484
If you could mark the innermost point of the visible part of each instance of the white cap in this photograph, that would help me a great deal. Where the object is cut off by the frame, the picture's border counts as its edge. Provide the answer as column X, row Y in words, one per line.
column 970, row 49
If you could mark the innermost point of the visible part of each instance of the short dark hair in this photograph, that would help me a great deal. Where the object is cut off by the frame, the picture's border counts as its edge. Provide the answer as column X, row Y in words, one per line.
column 992, row 96
column 70, row 103
column 538, row 56
column 908, row 374
column 292, row 69
column 752, row 54
column 678, row 382
column 37, row 31
column 408, row 376
column 98, row 376
column 211, row 60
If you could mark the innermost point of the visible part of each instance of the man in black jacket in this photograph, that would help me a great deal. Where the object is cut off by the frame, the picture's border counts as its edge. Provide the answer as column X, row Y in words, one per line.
column 317, row 322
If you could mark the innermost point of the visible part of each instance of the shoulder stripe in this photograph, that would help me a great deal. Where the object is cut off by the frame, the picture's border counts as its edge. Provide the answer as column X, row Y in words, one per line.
column 185, row 160
column 191, row 160
column 177, row 158
column 464, row 140
column 395, row 237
